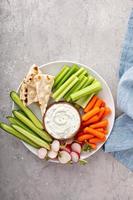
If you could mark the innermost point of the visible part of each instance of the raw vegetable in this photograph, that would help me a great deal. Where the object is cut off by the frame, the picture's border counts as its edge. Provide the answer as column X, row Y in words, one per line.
column 67, row 89
column 66, row 148
column 102, row 124
column 84, row 137
column 95, row 118
column 42, row 152
column 93, row 128
column 52, row 154
column 61, row 74
column 94, row 132
column 84, row 100
column 107, row 111
column 90, row 114
column 55, row 146
column 102, row 130
column 64, row 87
column 71, row 71
column 82, row 80
column 90, row 80
column 14, row 120
column 76, row 147
column 91, row 104
column 96, row 140
column 74, row 156
column 14, row 96
column 93, row 146
column 81, row 71
column 101, row 113
column 33, row 138
column 95, row 87
column 98, row 103
column 64, row 157
column 15, row 133
column 91, row 120
column 43, row 134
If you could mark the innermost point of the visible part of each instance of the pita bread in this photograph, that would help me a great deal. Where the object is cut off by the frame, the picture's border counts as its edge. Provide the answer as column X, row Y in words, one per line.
column 44, row 85
column 36, row 87
column 28, row 93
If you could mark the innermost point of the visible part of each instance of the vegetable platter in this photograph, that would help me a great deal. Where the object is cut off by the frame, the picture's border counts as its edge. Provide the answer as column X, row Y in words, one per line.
column 62, row 111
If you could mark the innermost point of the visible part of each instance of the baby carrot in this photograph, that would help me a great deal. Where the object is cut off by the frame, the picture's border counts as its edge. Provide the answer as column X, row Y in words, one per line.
column 105, row 131
column 107, row 111
column 93, row 146
column 90, row 114
column 91, row 104
column 96, row 140
column 101, row 113
column 101, row 124
column 103, row 104
column 91, row 120
column 100, row 129
column 84, row 137
column 98, row 103
column 94, row 132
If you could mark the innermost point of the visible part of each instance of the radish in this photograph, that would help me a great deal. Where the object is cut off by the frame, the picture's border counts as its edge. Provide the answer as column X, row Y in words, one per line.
column 76, row 147
column 75, row 156
column 66, row 148
column 64, row 157
column 55, row 146
column 52, row 154
column 42, row 152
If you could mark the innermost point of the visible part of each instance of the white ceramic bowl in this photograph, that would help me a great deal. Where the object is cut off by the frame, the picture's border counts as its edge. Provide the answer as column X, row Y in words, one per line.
column 53, row 68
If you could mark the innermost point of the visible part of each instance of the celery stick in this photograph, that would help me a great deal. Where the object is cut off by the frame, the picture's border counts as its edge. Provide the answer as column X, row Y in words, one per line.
column 33, row 138
column 64, row 86
column 84, row 100
column 81, row 77
column 14, row 120
column 43, row 134
column 61, row 74
column 76, row 87
column 14, row 96
column 15, row 133
column 95, row 87
column 81, row 71
column 90, row 80
column 61, row 95
column 71, row 71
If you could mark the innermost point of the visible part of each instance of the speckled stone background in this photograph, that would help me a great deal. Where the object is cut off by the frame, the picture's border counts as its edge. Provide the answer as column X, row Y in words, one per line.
column 40, row 31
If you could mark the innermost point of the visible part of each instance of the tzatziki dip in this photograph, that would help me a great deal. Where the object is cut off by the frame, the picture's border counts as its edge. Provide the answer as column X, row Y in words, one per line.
column 62, row 120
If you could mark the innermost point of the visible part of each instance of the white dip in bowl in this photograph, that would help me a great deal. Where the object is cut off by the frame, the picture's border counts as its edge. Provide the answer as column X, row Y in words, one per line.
column 62, row 120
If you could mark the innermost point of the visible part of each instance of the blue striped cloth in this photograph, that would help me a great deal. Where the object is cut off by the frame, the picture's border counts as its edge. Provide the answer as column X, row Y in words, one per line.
column 120, row 142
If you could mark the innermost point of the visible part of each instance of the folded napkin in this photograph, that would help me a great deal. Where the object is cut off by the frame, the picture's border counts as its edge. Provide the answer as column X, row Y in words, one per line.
column 120, row 142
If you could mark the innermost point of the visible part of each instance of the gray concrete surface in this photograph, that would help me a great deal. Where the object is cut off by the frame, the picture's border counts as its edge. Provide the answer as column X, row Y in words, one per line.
column 40, row 31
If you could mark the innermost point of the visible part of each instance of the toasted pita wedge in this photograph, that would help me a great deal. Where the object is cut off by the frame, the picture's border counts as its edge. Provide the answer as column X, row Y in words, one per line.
column 28, row 93
column 44, row 85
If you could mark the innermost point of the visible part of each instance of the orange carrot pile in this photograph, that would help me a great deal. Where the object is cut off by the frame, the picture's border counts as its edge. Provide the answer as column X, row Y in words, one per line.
column 94, row 123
